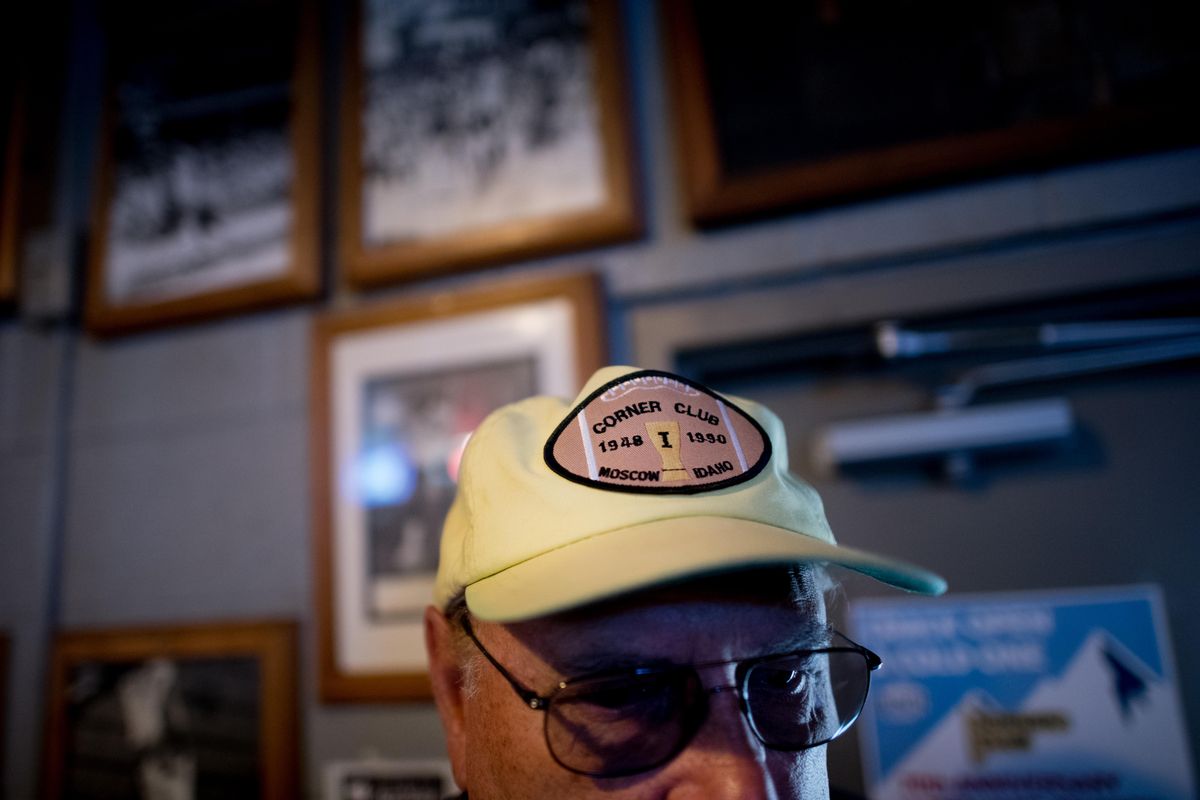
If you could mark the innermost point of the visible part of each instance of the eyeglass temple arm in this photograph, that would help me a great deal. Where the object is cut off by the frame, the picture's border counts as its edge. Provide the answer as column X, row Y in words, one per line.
column 531, row 698
column 874, row 662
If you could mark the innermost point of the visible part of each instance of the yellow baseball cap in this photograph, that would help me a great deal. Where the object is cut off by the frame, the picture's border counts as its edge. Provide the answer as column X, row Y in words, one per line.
column 646, row 478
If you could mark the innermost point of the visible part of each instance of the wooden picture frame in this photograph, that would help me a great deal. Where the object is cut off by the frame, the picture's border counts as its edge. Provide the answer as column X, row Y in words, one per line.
column 12, row 130
column 504, row 153
column 206, row 198
column 396, row 390
column 800, row 105
column 210, row 698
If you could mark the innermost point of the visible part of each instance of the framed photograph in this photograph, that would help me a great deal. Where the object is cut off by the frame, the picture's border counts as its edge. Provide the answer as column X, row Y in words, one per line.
column 482, row 132
column 11, row 135
column 800, row 104
column 397, row 390
column 389, row 779
column 206, row 197
column 199, row 711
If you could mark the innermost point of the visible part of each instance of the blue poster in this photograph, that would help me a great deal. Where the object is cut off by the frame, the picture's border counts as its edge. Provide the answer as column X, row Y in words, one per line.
column 1056, row 695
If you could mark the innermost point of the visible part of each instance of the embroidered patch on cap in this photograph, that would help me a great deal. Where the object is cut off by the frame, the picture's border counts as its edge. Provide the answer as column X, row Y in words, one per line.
column 656, row 432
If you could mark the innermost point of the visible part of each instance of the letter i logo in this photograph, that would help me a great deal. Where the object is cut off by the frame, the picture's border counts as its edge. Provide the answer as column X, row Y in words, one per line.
column 665, row 438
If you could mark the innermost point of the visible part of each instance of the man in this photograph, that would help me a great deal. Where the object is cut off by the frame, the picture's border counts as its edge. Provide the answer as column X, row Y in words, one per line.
column 630, row 603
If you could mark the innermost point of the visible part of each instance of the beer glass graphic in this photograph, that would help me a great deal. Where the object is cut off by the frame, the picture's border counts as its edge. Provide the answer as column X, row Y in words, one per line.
column 666, row 440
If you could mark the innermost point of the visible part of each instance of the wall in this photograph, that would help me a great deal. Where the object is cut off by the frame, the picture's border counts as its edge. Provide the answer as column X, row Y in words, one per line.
column 30, row 449
column 163, row 476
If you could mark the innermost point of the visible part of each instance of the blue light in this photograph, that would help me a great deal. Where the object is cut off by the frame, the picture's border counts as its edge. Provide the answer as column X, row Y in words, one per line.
column 385, row 475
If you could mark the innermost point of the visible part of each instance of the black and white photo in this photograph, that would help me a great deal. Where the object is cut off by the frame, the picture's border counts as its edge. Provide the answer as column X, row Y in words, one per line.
column 206, row 169
column 476, row 114
column 163, row 729
column 173, row 712
column 481, row 132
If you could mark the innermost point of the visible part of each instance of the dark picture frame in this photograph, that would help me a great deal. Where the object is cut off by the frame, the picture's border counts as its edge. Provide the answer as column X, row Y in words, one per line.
column 206, row 197
column 396, row 390
column 471, row 160
column 800, row 105
column 223, row 696
column 12, row 130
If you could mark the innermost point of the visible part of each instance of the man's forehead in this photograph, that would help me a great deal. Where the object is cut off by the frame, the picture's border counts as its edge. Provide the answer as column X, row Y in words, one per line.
column 711, row 618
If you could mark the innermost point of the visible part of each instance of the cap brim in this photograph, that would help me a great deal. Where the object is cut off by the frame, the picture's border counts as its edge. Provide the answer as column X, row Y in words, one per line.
column 641, row 556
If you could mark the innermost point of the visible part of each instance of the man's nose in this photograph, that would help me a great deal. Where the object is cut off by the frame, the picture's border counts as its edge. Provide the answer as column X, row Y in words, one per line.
column 724, row 761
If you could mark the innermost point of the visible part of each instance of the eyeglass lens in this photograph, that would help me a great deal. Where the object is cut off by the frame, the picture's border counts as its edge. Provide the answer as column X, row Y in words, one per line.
column 627, row 724
column 806, row 700
column 624, row 725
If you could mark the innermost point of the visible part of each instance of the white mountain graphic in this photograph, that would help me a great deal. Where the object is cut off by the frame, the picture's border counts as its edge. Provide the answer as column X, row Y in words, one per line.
column 1124, row 737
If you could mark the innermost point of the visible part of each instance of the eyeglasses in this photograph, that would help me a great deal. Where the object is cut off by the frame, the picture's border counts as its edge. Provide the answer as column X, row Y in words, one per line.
column 625, row 721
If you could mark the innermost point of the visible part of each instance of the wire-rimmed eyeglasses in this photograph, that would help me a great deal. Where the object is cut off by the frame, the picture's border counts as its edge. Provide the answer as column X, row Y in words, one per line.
column 625, row 721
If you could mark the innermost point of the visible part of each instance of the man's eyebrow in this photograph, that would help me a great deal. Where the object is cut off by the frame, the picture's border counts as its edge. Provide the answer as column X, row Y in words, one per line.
column 583, row 665
column 810, row 635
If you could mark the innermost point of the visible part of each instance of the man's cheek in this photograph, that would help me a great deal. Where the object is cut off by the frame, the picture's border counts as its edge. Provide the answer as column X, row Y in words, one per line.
column 506, row 755
column 800, row 776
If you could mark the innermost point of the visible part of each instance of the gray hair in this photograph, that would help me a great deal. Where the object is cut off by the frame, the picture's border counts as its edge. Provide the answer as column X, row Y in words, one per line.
column 470, row 660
